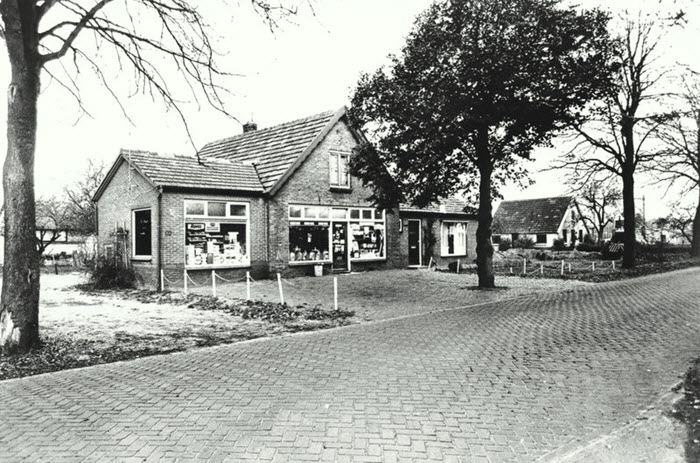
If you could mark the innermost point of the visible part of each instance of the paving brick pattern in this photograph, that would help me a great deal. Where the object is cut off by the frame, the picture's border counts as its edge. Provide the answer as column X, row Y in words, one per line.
column 506, row 381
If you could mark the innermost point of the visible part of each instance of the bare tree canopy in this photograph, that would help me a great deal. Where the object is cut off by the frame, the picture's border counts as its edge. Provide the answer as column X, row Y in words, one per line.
column 65, row 38
column 595, row 202
column 612, row 143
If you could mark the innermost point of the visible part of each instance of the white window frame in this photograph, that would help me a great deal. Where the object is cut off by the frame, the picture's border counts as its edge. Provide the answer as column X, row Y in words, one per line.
column 133, row 234
column 347, row 220
column 334, row 159
column 443, row 243
column 218, row 219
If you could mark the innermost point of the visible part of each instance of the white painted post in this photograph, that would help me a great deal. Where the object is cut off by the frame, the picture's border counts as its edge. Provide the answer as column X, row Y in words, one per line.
column 511, row 270
column 457, row 265
column 613, row 265
column 593, row 266
column 430, row 264
column 541, row 269
column 524, row 266
column 213, row 283
column 162, row 281
column 562, row 268
column 247, row 286
column 335, row 292
column 569, row 267
column 279, row 285
column 185, row 280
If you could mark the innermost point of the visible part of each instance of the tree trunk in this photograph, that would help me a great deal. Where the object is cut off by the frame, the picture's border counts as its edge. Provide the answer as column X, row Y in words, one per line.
column 19, row 304
column 484, row 249
column 695, row 244
column 628, row 213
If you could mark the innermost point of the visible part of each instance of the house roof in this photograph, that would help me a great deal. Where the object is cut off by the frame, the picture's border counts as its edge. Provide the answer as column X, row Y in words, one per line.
column 177, row 171
column 275, row 151
column 541, row 215
column 450, row 205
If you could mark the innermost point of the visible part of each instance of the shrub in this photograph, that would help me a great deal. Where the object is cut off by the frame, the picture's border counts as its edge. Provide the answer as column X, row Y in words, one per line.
column 524, row 242
column 112, row 273
column 504, row 245
column 588, row 247
column 558, row 245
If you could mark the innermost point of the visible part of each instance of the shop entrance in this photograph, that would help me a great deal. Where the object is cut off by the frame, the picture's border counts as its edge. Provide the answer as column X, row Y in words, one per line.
column 414, row 243
column 340, row 246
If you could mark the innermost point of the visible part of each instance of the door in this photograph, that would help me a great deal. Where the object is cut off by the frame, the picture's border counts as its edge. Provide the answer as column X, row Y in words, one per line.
column 340, row 248
column 414, row 242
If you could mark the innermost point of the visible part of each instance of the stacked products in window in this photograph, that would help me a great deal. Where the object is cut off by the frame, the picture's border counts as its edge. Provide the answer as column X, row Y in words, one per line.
column 367, row 242
column 212, row 244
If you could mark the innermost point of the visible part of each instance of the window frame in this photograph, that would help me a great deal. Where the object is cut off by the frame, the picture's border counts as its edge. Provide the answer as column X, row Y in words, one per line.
column 444, row 248
column 141, row 257
column 227, row 219
column 334, row 160
column 537, row 239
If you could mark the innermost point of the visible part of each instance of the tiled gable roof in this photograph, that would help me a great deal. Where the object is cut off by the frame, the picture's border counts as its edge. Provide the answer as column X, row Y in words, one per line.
column 542, row 215
column 187, row 172
column 450, row 205
column 273, row 150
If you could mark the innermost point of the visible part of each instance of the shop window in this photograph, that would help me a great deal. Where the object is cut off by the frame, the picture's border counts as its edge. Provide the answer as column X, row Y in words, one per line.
column 541, row 239
column 223, row 242
column 308, row 242
column 141, row 221
column 340, row 172
column 453, row 239
column 367, row 240
column 496, row 239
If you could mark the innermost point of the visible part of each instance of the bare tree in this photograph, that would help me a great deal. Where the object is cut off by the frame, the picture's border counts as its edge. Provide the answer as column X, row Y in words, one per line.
column 80, row 210
column 678, row 161
column 611, row 143
column 138, row 35
column 594, row 204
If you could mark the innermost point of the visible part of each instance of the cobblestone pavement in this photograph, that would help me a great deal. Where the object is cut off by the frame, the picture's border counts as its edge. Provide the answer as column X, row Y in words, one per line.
column 510, row 380
column 387, row 294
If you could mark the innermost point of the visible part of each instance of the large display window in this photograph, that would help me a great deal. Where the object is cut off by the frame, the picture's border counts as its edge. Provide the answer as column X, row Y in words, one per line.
column 216, row 234
column 453, row 239
column 311, row 234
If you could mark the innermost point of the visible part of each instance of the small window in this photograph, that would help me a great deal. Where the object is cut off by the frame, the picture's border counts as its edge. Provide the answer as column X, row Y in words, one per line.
column 354, row 213
column 142, row 234
column 194, row 207
column 237, row 210
column 580, row 235
column 339, row 169
column 339, row 213
column 378, row 214
column 323, row 213
column 367, row 214
column 565, row 235
column 216, row 209
column 310, row 212
column 541, row 239
column 454, row 239
column 496, row 239
column 294, row 211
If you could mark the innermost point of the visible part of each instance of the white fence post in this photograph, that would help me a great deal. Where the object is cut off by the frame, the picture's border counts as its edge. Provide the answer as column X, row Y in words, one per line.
column 593, row 266
column 335, row 292
column 184, row 274
column 457, row 265
column 213, row 283
column 613, row 265
column 162, row 281
column 247, row 286
column 524, row 265
column 562, row 268
column 279, row 285
column 569, row 267
column 430, row 264
column 541, row 269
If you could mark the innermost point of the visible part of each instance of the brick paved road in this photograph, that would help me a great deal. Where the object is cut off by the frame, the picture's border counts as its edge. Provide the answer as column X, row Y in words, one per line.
column 510, row 380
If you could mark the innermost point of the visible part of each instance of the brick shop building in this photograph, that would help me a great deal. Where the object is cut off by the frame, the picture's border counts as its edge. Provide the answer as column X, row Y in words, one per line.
column 279, row 199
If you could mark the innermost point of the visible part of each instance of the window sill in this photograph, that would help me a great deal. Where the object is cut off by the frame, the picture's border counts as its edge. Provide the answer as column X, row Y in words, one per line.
column 453, row 255
column 309, row 262
column 373, row 259
column 142, row 258
column 216, row 266
column 341, row 189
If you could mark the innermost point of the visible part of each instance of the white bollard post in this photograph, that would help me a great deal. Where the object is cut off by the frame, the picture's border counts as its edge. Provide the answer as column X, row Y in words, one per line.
column 569, row 267
column 562, row 268
column 541, row 269
column 279, row 285
column 213, row 283
column 430, row 264
column 162, row 281
column 335, row 292
column 524, row 266
column 511, row 270
column 593, row 266
column 185, row 280
column 247, row 286
column 457, row 265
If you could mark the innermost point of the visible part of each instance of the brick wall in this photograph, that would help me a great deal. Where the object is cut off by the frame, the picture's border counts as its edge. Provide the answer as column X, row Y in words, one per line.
column 127, row 191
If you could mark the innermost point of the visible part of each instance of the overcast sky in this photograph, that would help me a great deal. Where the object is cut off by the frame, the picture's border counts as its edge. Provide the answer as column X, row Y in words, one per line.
column 304, row 68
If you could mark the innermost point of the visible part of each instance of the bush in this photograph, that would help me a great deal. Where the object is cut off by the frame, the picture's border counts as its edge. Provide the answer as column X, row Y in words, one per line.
column 524, row 242
column 558, row 245
column 588, row 247
column 112, row 273
column 504, row 245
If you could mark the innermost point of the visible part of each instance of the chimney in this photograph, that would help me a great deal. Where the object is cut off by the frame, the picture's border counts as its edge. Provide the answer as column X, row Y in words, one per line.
column 250, row 127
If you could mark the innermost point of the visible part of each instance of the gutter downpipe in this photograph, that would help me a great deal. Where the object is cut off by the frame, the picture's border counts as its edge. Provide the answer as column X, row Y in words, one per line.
column 159, row 265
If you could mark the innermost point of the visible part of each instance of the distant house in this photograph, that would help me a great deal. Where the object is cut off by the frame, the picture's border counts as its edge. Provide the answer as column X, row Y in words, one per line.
column 278, row 199
column 543, row 220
